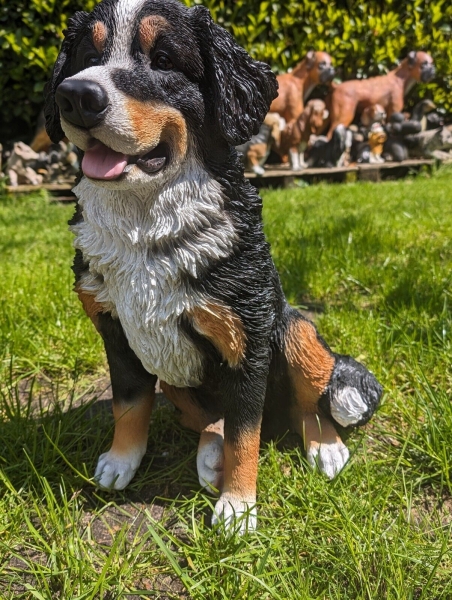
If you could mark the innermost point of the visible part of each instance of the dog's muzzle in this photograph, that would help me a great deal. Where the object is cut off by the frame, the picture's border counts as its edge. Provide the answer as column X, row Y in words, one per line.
column 82, row 103
column 428, row 73
column 327, row 74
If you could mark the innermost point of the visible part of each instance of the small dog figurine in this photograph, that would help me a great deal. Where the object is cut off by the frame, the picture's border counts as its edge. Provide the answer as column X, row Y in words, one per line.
column 255, row 152
column 295, row 88
column 351, row 97
column 373, row 114
column 377, row 138
column 312, row 121
column 324, row 153
column 171, row 263
column 398, row 130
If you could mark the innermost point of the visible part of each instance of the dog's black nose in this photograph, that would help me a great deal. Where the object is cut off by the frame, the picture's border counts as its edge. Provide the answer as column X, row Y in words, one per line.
column 82, row 103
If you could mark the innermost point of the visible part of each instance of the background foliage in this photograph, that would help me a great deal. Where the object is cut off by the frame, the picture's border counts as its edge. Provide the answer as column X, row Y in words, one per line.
column 364, row 38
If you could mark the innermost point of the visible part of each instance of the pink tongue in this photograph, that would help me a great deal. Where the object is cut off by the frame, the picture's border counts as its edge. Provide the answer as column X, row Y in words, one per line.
column 101, row 162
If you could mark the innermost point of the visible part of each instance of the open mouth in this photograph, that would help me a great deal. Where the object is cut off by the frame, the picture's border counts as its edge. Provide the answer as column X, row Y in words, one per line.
column 101, row 162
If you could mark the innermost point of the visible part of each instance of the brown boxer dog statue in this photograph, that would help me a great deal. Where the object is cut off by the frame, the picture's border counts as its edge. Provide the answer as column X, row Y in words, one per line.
column 295, row 87
column 352, row 97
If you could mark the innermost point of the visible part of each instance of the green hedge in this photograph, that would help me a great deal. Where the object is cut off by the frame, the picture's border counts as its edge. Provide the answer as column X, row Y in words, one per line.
column 364, row 38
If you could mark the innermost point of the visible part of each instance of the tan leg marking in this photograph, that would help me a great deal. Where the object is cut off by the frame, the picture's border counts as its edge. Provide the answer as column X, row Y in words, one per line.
column 154, row 122
column 192, row 417
column 240, row 465
column 150, row 28
column 310, row 364
column 238, row 496
column 116, row 468
column 223, row 328
column 91, row 307
column 131, row 424
column 99, row 36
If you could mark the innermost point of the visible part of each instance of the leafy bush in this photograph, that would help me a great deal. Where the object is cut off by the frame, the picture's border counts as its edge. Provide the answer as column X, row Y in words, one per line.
column 364, row 38
column 30, row 37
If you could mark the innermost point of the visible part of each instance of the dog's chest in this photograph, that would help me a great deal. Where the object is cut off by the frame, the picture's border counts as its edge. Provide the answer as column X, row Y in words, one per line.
column 140, row 251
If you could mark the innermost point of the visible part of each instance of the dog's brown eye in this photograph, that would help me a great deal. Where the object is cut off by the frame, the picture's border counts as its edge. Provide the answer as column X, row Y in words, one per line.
column 162, row 62
column 91, row 60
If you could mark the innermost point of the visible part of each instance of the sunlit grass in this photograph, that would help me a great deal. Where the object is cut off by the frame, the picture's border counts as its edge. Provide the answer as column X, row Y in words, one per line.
column 374, row 262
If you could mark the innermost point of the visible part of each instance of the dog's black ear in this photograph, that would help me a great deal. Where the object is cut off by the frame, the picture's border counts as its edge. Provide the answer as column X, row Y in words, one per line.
column 61, row 70
column 412, row 58
column 310, row 59
column 240, row 89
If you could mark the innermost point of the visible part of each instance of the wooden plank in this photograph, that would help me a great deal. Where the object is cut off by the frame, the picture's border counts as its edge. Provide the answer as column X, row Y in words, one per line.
column 50, row 187
column 414, row 162
column 282, row 171
column 364, row 171
column 271, row 171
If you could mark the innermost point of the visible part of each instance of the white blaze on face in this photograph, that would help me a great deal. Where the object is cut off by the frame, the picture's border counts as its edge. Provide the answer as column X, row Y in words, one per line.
column 125, row 25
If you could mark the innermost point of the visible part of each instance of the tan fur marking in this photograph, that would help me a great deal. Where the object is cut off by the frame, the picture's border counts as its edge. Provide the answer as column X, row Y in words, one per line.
column 99, row 36
column 256, row 153
column 150, row 28
column 131, row 424
column 310, row 364
column 41, row 142
column 240, row 465
column 317, row 430
column 192, row 417
column 153, row 122
column 223, row 328
column 90, row 306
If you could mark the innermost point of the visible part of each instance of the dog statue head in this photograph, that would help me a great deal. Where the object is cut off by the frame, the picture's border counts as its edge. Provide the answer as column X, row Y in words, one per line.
column 421, row 66
column 140, row 85
column 374, row 113
column 320, row 63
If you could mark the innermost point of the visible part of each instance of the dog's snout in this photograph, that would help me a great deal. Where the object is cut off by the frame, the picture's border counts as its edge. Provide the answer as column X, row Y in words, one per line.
column 82, row 102
column 327, row 74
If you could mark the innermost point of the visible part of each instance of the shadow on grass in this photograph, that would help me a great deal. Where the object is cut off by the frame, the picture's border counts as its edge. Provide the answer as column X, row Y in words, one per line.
column 46, row 435
column 306, row 254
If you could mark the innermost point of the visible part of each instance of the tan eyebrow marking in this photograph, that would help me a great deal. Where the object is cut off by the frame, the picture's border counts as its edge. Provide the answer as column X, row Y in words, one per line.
column 150, row 28
column 99, row 36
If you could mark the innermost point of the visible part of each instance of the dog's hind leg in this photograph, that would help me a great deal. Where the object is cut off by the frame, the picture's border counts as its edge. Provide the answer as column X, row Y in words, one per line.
column 210, row 457
column 324, row 448
column 133, row 396
column 328, row 388
column 311, row 365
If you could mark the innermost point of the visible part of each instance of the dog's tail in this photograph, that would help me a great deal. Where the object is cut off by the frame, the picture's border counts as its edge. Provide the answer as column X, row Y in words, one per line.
column 352, row 394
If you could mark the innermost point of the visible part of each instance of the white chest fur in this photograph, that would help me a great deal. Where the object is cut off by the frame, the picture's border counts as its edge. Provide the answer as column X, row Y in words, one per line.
column 139, row 246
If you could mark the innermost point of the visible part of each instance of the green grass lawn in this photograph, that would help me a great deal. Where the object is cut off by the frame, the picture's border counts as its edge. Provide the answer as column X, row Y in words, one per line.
column 374, row 263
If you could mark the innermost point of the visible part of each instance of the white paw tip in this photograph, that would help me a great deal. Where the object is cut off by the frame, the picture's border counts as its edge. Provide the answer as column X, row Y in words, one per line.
column 115, row 473
column 209, row 463
column 329, row 458
column 237, row 516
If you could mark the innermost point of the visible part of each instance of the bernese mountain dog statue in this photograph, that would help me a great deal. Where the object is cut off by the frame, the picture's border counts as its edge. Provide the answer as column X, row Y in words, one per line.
column 171, row 262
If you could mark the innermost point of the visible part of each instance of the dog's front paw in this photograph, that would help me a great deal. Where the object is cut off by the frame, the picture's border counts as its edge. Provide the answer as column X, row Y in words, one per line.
column 236, row 514
column 258, row 169
column 329, row 458
column 115, row 472
column 209, row 463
